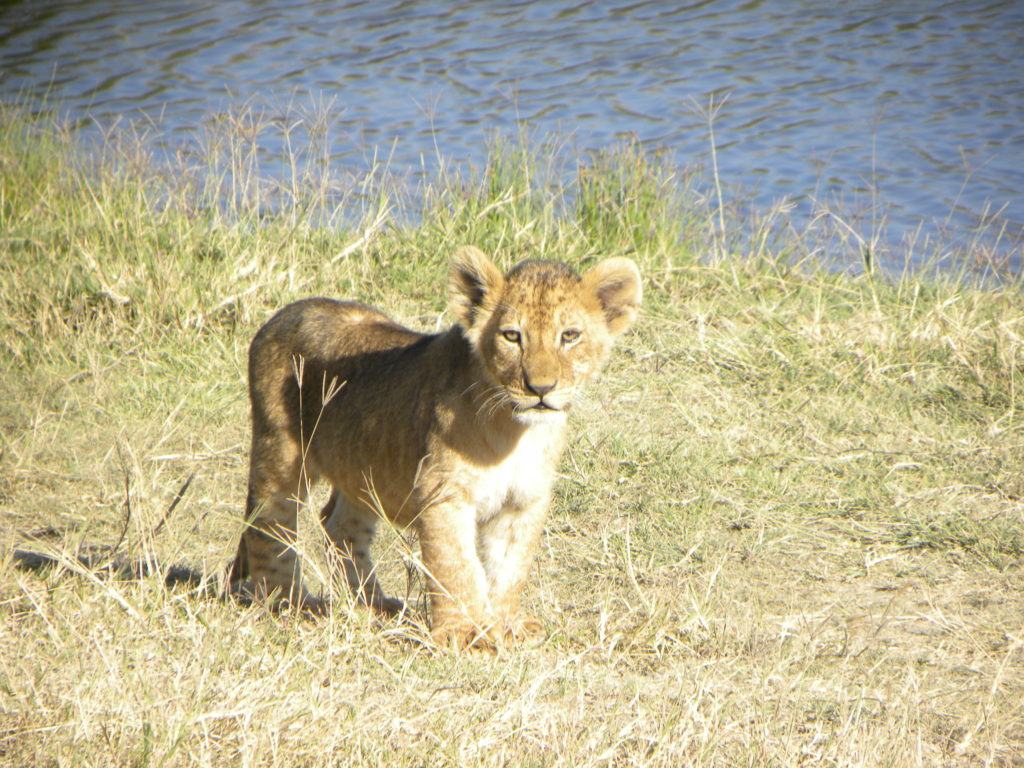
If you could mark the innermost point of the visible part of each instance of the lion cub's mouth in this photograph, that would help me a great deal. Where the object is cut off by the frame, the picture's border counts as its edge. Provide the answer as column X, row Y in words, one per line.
column 537, row 406
column 539, row 411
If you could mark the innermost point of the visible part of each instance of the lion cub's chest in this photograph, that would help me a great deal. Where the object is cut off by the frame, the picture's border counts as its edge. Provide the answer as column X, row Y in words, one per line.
column 523, row 477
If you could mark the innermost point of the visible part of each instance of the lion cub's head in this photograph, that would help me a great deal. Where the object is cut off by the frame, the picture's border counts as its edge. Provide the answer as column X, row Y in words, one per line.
column 541, row 330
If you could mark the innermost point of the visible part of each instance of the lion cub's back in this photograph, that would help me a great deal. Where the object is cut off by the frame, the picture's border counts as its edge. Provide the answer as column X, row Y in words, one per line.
column 314, row 341
column 327, row 329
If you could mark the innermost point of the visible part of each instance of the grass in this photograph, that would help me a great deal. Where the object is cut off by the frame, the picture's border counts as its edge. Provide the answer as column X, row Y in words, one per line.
column 789, row 529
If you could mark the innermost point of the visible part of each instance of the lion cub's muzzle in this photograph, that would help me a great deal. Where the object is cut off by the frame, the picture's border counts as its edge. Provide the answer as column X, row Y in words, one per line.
column 541, row 403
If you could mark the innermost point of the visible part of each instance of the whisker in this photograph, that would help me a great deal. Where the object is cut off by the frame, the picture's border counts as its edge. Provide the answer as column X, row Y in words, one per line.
column 490, row 400
column 493, row 404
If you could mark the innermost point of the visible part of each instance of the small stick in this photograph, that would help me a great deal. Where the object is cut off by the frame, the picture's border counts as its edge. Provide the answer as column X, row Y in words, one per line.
column 174, row 503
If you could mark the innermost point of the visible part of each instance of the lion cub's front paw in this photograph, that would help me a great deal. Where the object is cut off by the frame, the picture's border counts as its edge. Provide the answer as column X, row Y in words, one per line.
column 498, row 634
column 465, row 635
column 525, row 630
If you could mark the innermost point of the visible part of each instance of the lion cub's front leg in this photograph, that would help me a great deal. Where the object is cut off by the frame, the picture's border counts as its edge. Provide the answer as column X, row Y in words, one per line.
column 475, row 572
column 460, row 611
column 507, row 544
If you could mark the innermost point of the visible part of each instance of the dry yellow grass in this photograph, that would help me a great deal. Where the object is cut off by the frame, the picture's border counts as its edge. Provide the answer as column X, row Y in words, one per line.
column 789, row 529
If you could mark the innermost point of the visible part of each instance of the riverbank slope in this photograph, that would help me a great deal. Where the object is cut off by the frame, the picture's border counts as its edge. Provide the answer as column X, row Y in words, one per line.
column 789, row 528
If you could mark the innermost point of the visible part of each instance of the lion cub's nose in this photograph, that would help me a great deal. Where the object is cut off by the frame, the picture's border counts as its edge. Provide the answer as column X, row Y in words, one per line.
column 540, row 388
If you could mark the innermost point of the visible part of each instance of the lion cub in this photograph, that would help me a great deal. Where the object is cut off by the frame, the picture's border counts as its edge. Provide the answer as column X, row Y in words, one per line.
column 457, row 434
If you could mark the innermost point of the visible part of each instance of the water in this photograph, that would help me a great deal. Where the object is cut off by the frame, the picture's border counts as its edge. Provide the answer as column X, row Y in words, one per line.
column 911, row 110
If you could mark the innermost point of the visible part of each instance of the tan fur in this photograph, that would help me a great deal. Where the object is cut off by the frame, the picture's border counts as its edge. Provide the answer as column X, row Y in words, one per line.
column 456, row 434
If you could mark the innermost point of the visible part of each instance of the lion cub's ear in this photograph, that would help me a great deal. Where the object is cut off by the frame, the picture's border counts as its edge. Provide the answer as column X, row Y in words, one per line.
column 474, row 283
column 616, row 284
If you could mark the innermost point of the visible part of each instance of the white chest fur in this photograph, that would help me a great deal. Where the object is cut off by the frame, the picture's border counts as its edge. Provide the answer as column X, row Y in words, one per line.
column 524, row 476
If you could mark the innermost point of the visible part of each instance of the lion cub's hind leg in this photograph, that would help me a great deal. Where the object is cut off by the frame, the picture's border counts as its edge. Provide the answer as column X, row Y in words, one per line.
column 267, row 566
column 350, row 527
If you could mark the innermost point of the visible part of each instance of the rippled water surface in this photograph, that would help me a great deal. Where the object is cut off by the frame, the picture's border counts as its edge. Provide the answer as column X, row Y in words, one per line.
column 916, row 104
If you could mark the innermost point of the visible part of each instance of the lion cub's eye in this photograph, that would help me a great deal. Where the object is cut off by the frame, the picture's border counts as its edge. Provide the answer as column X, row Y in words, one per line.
column 511, row 336
column 570, row 336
